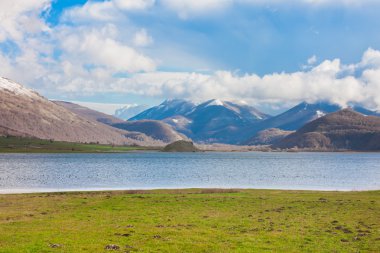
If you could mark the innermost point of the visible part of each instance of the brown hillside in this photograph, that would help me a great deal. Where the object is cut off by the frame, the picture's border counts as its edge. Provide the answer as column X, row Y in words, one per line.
column 342, row 130
column 24, row 112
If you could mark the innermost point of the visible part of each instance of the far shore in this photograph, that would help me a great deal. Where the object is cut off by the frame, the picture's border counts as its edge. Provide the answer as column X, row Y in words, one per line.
column 33, row 145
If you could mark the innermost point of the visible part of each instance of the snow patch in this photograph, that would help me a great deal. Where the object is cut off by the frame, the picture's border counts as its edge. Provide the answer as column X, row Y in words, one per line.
column 175, row 120
column 320, row 113
column 17, row 89
column 215, row 102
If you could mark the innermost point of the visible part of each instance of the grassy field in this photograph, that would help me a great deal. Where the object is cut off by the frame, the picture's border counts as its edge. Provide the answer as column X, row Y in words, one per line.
column 31, row 145
column 191, row 221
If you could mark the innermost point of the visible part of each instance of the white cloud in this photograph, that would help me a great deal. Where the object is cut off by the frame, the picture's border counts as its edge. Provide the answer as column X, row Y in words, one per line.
column 187, row 8
column 142, row 38
column 108, row 10
column 99, row 11
column 18, row 19
column 95, row 51
column 312, row 60
column 323, row 82
column 134, row 4
column 99, row 48
column 23, row 25
column 184, row 8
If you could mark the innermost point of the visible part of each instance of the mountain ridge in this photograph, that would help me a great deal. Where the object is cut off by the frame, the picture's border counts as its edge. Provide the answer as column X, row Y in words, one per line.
column 25, row 113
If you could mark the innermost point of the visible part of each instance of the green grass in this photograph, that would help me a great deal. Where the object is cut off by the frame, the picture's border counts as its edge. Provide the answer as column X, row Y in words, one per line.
column 31, row 145
column 191, row 221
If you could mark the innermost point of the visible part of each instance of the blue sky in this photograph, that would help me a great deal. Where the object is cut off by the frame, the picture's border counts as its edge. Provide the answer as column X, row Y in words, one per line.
column 271, row 54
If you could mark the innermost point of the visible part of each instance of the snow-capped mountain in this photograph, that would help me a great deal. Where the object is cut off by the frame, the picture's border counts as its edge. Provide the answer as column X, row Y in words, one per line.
column 303, row 113
column 299, row 115
column 212, row 121
column 222, row 121
column 169, row 108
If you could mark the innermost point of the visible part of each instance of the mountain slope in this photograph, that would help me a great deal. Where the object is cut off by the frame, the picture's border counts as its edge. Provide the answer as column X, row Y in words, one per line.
column 298, row 116
column 24, row 112
column 169, row 108
column 129, row 111
column 268, row 136
column 89, row 113
column 153, row 128
column 342, row 130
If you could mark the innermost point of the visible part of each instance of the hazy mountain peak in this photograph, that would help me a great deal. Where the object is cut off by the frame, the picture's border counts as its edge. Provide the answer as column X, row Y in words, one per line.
column 214, row 102
column 128, row 111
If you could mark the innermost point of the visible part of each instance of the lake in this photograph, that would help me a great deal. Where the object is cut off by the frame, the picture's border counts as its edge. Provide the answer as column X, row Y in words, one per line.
column 153, row 170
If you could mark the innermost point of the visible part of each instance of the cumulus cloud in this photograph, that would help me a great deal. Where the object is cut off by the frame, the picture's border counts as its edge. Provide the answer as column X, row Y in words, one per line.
column 327, row 81
column 187, row 8
column 22, row 17
column 91, row 10
column 98, row 48
column 94, row 56
column 142, row 38
column 312, row 60
column 108, row 10
column 86, row 43
column 184, row 8
column 133, row 4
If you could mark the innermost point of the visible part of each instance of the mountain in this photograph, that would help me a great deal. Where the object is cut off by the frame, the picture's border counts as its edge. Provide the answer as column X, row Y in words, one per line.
column 169, row 108
column 268, row 136
column 156, row 129
column 89, row 113
column 365, row 111
column 342, row 130
column 298, row 116
column 211, row 121
column 129, row 111
column 222, row 121
column 24, row 112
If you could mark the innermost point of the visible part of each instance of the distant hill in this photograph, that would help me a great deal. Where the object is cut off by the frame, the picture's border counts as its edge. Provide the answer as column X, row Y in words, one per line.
column 342, row 130
column 89, row 113
column 180, row 146
column 153, row 128
column 24, row 112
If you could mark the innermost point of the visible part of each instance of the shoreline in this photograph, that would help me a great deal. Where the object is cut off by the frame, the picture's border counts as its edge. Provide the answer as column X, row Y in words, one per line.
column 167, row 189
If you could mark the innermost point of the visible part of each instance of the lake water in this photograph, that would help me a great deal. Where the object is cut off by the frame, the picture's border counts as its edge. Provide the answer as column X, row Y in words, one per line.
column 152, row 170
